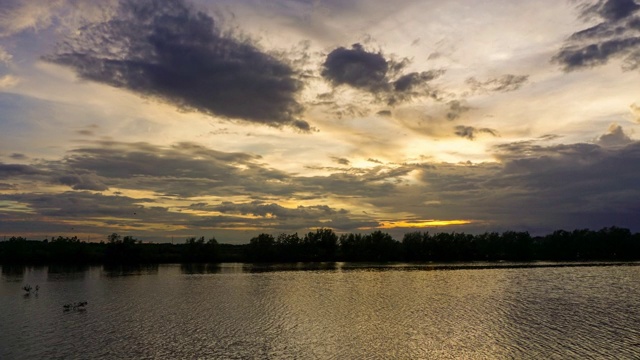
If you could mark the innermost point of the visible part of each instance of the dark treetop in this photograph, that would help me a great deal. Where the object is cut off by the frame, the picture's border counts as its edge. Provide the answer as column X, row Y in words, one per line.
column 325, row 245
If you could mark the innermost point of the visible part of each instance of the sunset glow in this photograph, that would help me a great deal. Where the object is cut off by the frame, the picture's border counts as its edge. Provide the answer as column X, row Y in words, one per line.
column 418, row 224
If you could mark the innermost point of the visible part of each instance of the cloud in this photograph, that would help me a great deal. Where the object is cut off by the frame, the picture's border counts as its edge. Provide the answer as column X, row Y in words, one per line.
column 180, row 172
column 612, row 10
column 13, row 170
column 19, row 15
column 169, row 51
column 366, row 183
column 8, row 81
column 83, row 182
column 23, row 15
column 18, row 156
column 537, row 188
column 414, row 84
column 530, row 187
column 341, row 161
column 258, row 208
column 182, row 169
column 616, row 36
column 614, row 137
column 372, row 72
column 275, row 216
column 356, row 67
column 83, row 206
column 635, row 111
column 5, row 57
column 471, row 132
column 189, row 170
column 504, row 83
column 513, row 153
column 572, row 174
column 456, row 109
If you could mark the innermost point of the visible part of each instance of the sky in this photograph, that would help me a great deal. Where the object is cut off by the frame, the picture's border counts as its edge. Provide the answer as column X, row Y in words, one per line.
column 168, row 119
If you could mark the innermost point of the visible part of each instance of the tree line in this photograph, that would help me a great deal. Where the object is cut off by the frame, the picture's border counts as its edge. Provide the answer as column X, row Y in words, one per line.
column 116, row 250
column 324, row 245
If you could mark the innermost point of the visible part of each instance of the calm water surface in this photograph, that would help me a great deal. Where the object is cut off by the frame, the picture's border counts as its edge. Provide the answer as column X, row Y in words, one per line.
column 323, row 311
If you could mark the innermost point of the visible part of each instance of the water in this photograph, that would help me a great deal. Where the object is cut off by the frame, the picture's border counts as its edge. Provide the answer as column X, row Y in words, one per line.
column 326, row 311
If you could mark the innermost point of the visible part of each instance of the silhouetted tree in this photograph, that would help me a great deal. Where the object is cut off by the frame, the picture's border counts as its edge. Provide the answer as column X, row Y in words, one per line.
column 610, row 243
column 290, row 248
column 377, row 246
column 517, row 246
column 197, row 250
column 320, row 245
column 351, row 247
column 413, row 247
column 122, row 250
column 64, row 249
column 262, row 248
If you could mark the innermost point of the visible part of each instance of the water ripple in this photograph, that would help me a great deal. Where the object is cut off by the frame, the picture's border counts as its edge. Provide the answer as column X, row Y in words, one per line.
column 329, row 312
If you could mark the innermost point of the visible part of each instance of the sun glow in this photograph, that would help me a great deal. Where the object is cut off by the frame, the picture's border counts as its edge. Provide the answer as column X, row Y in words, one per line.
column 422, row 223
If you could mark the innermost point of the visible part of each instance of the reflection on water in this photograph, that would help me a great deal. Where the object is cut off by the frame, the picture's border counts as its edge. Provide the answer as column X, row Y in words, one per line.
column 66, row 272
column 299, row 266
column 331, row 310
column 129, row 269
column 13, row 272
column 199, row 268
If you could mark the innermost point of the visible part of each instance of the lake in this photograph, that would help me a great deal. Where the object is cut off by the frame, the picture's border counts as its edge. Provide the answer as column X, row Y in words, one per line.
column 322, row 311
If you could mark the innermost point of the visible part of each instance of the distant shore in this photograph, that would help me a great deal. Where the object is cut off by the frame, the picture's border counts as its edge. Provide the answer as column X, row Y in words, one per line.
column 324, row 245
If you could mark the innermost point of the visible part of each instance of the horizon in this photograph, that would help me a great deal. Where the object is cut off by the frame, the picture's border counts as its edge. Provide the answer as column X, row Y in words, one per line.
column 311, row 233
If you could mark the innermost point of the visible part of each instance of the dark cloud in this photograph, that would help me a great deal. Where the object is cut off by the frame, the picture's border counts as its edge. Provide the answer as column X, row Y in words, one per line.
column 471, row 132
column 513, row 153
column 83, row 182
column 593, row 54
column 167, row 50
column 129, row 160
column 537, row 188
column 356, row 67
column 13, row 170
column 576, row 174
column 616, row 36
column 456, row 109
column 372, row 72
column 379, row 181
column 341, row 161
column 504, row 83
column 273, row 210
column 301, row 220
column 412, row 80
column 182, row 169
column 385, row 113
column 612, row 10
column 93, row 206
